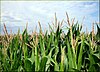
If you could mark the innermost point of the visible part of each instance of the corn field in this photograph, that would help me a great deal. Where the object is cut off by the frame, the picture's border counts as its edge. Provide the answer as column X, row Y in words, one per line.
column 54, row 51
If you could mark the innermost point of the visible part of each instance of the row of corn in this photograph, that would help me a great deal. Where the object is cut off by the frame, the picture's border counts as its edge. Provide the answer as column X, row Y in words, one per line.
column 56, row 50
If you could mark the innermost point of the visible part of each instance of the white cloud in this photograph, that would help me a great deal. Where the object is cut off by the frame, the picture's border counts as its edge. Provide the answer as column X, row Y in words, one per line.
column 33, row 11
column 6, row 16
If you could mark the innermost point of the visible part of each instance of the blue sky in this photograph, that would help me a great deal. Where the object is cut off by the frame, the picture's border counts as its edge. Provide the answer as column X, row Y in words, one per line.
column 15, row 14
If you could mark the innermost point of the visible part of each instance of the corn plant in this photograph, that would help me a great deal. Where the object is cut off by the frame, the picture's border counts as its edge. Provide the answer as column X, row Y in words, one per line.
column 51, row 51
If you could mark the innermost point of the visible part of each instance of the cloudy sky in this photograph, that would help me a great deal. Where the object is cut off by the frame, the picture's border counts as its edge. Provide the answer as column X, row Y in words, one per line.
column 15, row 14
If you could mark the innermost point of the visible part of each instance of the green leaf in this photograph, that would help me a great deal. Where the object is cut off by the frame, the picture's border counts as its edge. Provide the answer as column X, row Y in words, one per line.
column 28, row 65
column 70, row 57
column 43, row 64
column 80, row 54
